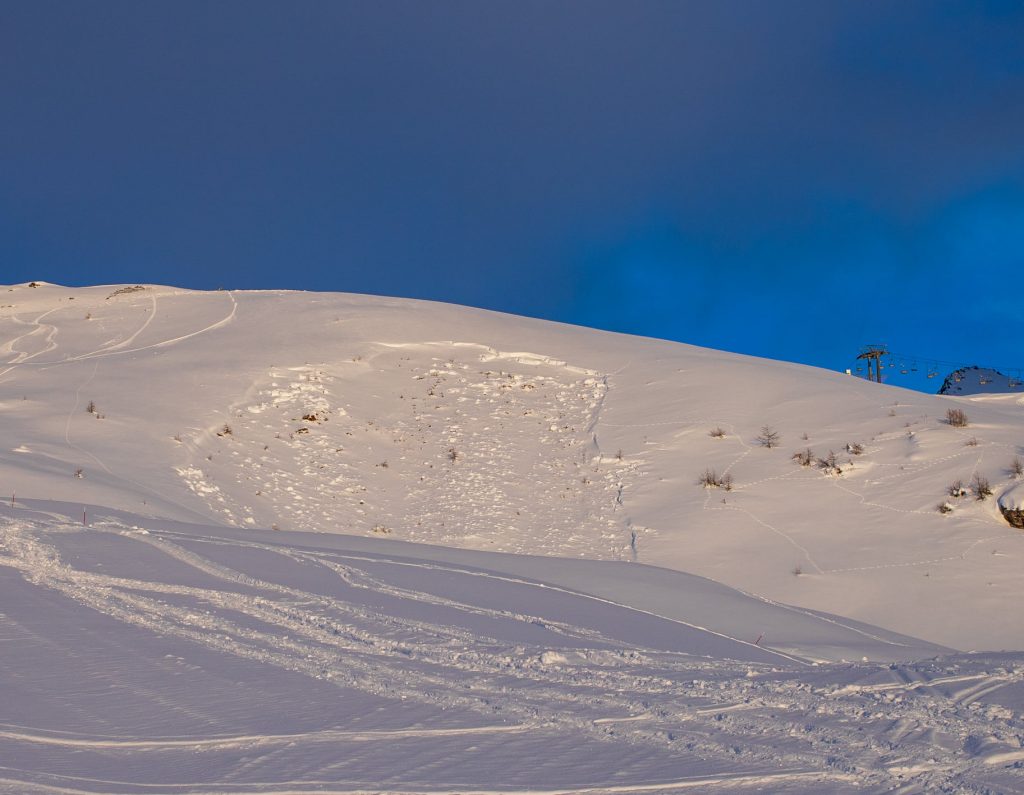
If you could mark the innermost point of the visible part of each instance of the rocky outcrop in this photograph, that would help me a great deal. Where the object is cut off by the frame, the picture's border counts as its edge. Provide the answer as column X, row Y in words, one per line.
column 978, row 380
column 1011, row 504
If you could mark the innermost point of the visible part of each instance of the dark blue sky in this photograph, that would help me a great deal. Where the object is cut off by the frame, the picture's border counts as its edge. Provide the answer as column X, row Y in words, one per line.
column 789, row 179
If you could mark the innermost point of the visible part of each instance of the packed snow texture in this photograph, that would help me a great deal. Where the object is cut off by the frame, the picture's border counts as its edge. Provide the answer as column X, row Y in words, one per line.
column 288, row 542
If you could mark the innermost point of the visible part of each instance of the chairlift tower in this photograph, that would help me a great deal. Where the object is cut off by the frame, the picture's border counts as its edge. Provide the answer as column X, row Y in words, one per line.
column 873, row 352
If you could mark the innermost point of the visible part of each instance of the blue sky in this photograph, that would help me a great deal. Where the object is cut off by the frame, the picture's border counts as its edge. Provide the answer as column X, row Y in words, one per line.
column 787, row 179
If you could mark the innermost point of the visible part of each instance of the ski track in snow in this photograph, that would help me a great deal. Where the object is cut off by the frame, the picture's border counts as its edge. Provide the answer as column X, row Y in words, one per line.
column 793, row 728
column 118, row 349
column 38, row 327
column 115, row 349
column 462, row 444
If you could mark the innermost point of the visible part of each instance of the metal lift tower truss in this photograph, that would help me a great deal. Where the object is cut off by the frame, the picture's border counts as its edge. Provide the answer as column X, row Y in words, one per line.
column 874, row 353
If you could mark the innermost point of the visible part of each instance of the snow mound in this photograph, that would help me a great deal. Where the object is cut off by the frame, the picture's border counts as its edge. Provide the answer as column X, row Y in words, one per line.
column 1013, row 498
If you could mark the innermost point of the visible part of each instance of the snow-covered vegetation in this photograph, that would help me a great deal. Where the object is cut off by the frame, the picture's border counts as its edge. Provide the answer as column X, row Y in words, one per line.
column 337, row 543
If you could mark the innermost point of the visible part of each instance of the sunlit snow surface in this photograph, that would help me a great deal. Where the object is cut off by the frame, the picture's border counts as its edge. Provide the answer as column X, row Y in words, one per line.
column 157, row 635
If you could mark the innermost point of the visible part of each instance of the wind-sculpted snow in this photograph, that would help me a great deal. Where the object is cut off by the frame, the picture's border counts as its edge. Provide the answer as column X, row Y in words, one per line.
column 146, row 655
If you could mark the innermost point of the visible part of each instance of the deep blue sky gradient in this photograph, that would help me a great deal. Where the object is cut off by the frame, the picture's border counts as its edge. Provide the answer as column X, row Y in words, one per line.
column 787, row 179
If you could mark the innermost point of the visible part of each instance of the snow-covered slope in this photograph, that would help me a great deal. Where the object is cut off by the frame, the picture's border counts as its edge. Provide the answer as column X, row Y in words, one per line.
column 308, row 494
column 452, row 426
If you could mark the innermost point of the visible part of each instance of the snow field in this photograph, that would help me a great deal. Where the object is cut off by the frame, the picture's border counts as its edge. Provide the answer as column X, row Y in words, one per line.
column 438, row 673
column 241, row 609
column 598, row 460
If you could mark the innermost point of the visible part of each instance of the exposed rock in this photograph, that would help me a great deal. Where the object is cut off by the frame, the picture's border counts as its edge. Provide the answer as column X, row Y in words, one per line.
column 979, row 380
column 1011, row 504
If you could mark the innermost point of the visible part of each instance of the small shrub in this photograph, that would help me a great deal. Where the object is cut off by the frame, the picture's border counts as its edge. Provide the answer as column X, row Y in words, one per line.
column 944, row 508
column 708, row 479
column 125, row 291
column 830, row 464
column 716, row 433
column 797, row 570
column 79, row 473
column 453, row 454
column 804, row 457
column 972, row 442
column 855, row 449
column 768, row 437
column 980, row 486
column 91, row 408
column 618, row 455
column 225, row 431
column 956, row 489
column 1017, row 467
column 956, row 417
